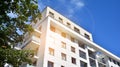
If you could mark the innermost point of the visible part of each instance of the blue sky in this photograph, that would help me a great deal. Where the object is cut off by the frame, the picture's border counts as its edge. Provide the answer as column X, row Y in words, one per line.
column 99, row 17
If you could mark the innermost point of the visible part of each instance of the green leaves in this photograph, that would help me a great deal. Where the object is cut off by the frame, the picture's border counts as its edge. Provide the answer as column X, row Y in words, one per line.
column 25, row 11
column 15, row 57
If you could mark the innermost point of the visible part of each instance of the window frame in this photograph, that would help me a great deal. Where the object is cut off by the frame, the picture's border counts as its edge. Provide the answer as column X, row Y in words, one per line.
column 72, row 39
column 87, row 36
column 82, row 54
column 52, row 28
column 63, row 56
column 51, row 51
column 50, row 63
column 60, row 19
column 73, row 60
column 83, row 64
column 63, row 45
column 51, row 14
column 63, row 34
column 73, row 49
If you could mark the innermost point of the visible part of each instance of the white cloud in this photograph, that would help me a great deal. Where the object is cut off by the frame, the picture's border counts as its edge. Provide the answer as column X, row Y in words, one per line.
column 70, row 12
column 79, row 4
column 41, row 6
column 74, row 6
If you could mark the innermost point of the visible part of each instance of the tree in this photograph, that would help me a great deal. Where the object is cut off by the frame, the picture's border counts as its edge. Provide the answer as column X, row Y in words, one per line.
column 16, row 15
column 14, row 57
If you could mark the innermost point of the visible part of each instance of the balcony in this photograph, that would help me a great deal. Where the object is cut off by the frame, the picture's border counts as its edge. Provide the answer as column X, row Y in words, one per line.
column 31, row 40
column 101, row 58
column 34, row 47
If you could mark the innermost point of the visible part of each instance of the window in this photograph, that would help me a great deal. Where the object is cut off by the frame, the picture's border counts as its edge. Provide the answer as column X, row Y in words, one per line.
column 83, row 64
column 87, row 36
column 68, row 24
column 82, row 54
column 103, row 60
column 50, row 64
column 73, row 49
column 114, row 61
column 52, row 28
column 40, row 28
column 118, row 63
column 63, row 34
column 62, row 66
column 72, row 39
column 51, row 14
column 63, row 45
column 34, row 63
column 110, row 59
column 60, row 19
column 73, row 60
column 91, row 54
column 63, row 56
column 92, row 62
column 51, row 51
column 82, row 45
column 76, row 30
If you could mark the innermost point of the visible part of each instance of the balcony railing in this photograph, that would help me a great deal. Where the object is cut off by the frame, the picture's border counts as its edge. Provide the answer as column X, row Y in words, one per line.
column 27, row 65
column 35, row 53
column 31, row 38
column 101, row 64
column 92, row 62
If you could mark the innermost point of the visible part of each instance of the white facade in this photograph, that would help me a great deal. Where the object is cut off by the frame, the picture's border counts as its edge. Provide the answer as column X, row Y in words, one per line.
column 59, row 42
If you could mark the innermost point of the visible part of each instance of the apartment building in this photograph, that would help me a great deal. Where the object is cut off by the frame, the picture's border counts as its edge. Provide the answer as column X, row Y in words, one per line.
column 59, row 42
